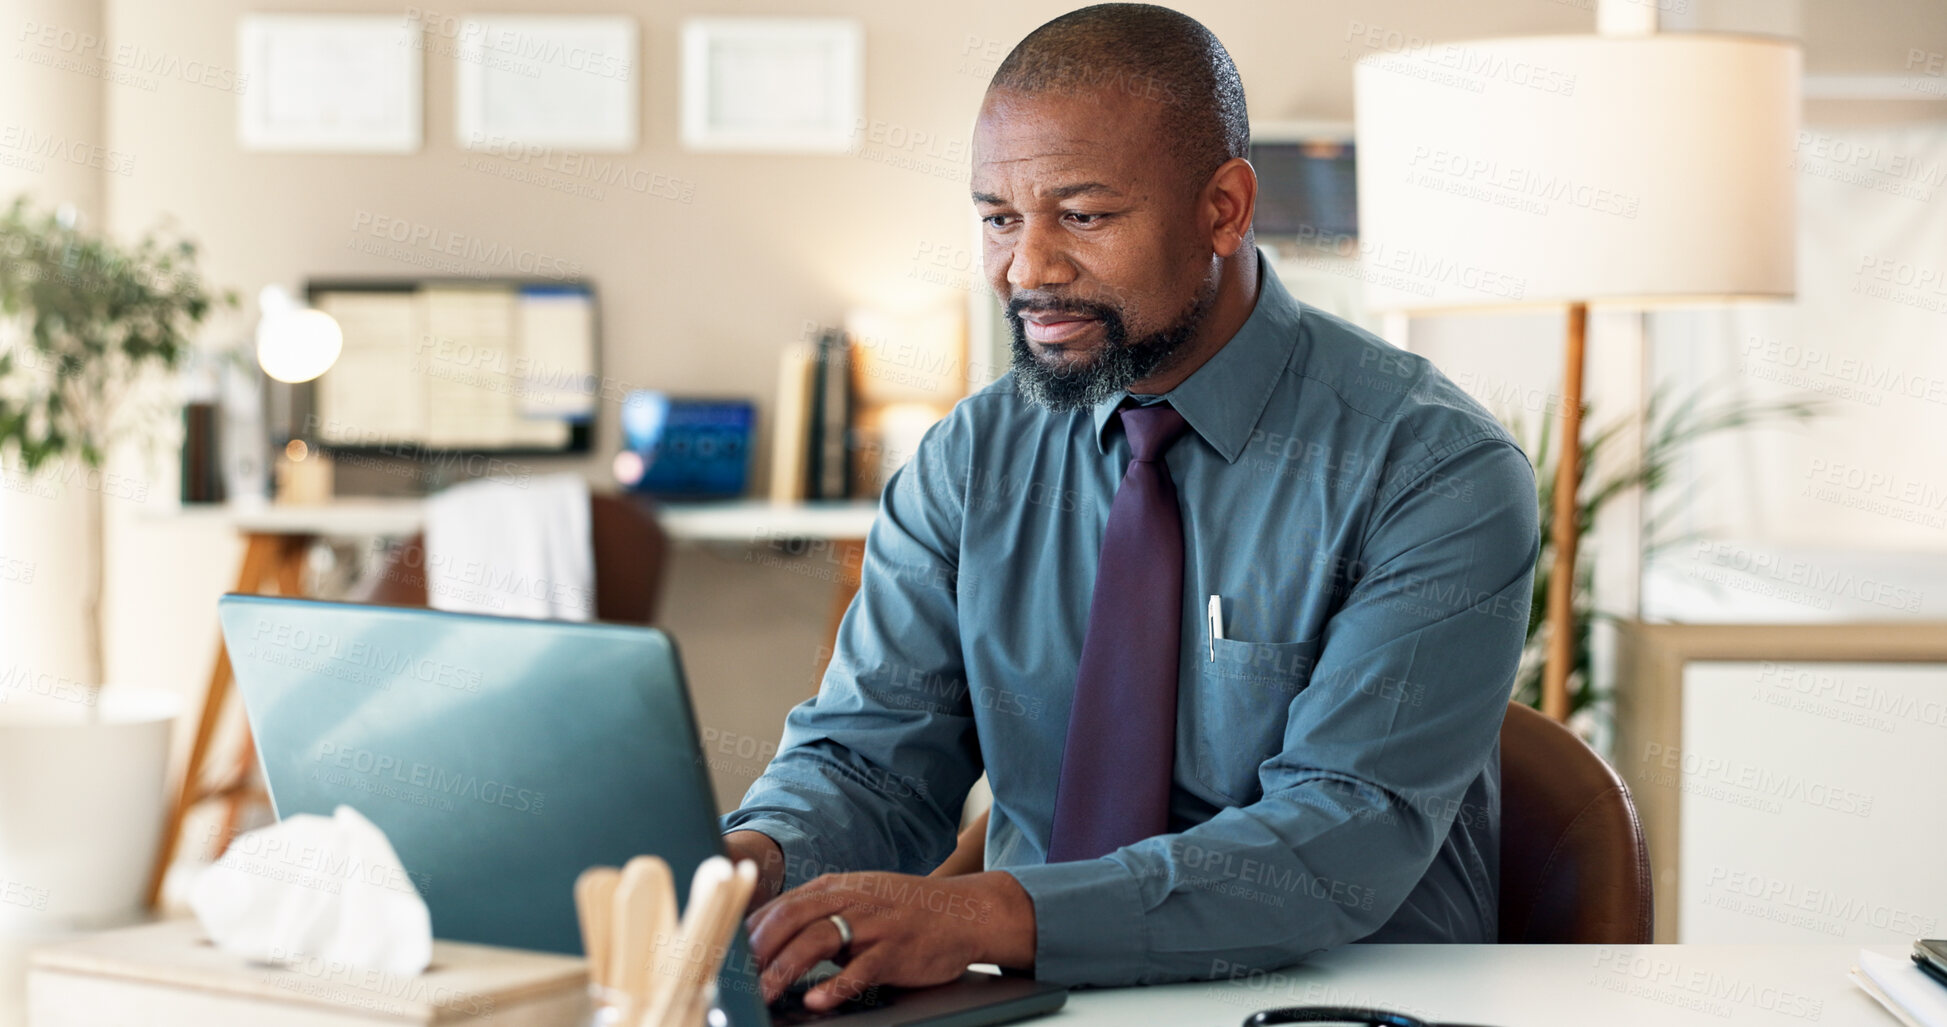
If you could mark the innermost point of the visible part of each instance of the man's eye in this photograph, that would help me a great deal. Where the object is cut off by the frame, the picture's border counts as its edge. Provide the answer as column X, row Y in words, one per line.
column 995, row 220
column 1085, row 219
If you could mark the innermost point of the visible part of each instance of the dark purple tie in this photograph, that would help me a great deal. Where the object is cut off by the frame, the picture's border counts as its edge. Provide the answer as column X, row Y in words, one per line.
column 1116, row 770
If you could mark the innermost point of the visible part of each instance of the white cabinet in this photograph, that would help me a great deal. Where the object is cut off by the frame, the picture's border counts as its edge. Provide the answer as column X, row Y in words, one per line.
column 1812, row 807
column 1789, row 778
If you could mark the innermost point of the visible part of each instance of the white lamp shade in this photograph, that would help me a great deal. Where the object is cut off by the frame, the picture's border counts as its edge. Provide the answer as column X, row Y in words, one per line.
column 1577, row 168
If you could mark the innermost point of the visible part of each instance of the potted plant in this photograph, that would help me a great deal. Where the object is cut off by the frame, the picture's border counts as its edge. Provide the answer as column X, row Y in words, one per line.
column 88, row 327
column 1672, row 427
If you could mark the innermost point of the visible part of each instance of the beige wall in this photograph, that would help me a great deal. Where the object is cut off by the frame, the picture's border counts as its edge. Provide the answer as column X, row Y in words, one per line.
column 697, row 296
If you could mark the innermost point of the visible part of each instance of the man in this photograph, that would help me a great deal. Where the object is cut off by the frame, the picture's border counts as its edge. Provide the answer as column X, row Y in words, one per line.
column 1179, row 790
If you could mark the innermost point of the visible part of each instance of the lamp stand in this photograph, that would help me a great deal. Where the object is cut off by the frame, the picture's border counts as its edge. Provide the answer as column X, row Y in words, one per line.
column 1566, row 529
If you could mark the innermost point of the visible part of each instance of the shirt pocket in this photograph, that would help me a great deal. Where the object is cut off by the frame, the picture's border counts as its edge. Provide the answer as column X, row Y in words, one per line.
column 1241, row 694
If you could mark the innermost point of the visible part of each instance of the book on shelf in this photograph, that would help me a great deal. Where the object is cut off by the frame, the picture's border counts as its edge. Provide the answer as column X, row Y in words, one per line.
column 811, row 441
column 853, row 402
column 790, row 427
column 829, row 460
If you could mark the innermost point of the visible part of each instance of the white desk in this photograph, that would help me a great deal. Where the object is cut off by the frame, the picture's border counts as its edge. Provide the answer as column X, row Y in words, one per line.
column 740, row 520
column 755, row 520
column 1488, row 985
column 1525, row 986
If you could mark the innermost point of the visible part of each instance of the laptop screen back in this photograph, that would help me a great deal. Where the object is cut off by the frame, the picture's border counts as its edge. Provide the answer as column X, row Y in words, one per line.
column 501, row 757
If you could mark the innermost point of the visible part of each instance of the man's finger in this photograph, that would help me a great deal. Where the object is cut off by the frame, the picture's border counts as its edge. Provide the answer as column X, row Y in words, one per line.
column 823, row 884
column 858, row 976
column 781, row 920
column 819, row 940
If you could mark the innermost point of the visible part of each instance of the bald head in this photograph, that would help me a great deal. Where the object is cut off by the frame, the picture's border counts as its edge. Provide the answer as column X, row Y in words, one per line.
column 1148, row 53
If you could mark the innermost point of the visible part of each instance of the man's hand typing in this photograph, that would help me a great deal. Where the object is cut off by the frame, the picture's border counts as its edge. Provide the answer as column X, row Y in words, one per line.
column 906, row 931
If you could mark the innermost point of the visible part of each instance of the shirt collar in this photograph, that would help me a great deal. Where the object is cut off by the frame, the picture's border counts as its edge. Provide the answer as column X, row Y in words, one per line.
column 1223, row 399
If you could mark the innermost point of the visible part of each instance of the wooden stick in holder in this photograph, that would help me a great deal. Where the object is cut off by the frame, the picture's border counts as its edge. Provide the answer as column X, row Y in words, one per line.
column 684, row 961
column 594, row 903
column 645, row 916
column 727, row 907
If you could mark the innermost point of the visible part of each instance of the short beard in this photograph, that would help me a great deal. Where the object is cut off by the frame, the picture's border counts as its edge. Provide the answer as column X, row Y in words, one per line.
column 1119, row 364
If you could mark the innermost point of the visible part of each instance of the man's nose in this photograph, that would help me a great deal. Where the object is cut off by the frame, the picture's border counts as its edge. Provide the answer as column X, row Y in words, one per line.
column 1038, row 259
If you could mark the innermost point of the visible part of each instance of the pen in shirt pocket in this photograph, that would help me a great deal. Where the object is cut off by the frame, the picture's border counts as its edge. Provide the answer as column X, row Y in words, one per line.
column 1216, row 624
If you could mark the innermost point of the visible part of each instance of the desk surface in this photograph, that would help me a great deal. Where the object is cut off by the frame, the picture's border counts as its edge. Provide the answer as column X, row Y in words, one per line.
column 1488, row 985
column 756, row 520
column 744, row 520
column 1525, row 986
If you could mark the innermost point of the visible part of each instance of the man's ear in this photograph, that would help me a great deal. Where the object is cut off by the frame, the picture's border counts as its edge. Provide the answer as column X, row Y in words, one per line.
column 1231, row 201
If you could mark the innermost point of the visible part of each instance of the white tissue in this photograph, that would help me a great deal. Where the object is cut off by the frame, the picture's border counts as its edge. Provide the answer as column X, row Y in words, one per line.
column 312, row 887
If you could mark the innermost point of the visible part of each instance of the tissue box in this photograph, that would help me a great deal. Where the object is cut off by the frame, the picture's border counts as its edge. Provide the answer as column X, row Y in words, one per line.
column 168, row 974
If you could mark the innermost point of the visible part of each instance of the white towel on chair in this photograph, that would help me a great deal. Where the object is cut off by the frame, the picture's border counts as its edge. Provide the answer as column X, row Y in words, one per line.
column 517, row 550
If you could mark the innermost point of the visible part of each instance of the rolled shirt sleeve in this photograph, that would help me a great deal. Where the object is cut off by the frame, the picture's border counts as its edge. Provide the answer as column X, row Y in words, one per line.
column 873, row 771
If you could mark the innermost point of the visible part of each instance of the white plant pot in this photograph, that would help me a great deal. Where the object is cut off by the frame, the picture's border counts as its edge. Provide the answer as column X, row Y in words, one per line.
column 82, row 800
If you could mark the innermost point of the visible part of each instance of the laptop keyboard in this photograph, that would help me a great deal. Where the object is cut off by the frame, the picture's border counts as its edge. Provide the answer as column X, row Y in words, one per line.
column 790, row 1008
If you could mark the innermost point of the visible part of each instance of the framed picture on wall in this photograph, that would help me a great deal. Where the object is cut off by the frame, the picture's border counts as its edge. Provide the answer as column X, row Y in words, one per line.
column 327, row 83
column 777, row 85
column 547, row 81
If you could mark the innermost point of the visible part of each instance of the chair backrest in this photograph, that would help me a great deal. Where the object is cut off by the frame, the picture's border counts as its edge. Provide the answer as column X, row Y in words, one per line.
column 1574, row 868
column 630, row 556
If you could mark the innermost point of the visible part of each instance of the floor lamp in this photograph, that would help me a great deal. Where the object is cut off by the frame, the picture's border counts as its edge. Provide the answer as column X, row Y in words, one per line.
column 1628, row 170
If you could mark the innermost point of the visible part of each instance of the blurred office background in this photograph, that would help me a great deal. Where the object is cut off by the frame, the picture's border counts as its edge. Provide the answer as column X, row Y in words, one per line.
column 711, row 266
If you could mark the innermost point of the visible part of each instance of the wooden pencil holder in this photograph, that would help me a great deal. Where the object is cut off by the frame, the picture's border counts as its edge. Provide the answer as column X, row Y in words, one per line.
column 647, row 968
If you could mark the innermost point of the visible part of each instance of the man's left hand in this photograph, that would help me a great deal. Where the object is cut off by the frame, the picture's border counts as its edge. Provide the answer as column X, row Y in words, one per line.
column 906, row 931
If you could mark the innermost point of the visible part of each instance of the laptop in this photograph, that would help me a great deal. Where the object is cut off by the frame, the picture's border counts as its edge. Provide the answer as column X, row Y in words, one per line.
column 502, row 757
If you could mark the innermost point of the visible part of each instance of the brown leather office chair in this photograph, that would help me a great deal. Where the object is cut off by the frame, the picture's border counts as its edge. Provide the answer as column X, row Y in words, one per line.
column 630, row 550
column 1574, row 868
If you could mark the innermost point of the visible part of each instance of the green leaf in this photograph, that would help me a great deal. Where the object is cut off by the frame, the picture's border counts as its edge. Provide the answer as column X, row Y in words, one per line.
column 99, row 314
column 1672, row 428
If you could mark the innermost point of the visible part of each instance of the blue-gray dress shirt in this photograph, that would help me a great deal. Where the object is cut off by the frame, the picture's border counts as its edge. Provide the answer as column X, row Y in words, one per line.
column 1372, row 533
